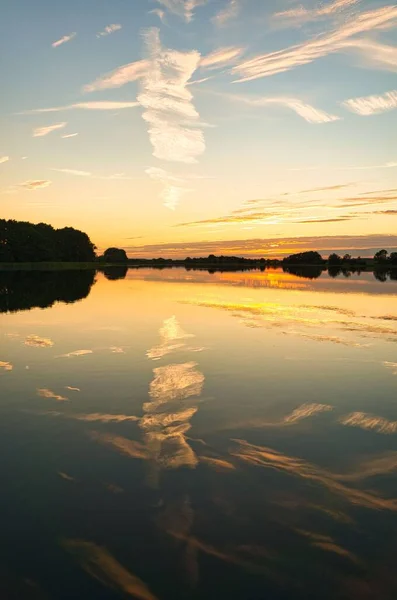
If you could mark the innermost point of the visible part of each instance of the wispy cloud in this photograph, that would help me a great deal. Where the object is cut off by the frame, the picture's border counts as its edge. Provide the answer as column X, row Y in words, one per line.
column 173, row 121
column 119, row 77
column 74, row 172
column 63, row 40
column 97, row 105
column 46, row 393
column 75, row 353
column 35, row 184
column 229, row 12
column 159, row 13
column 108, row 30
column 221, row 57
column 328, row 188
column 4, row 159
column 366, row 245
column 42, row 131
column 5, row 365
column 268, row 64
column 38, row 342
column 372, row 105
column 173, row 186
column 69, row 135
column 375, row 54
column 304, row 110
column 300, row 15
column 182, row 8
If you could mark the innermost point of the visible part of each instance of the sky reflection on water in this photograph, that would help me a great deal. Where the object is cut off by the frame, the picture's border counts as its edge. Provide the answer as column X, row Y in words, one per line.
column 193, row 435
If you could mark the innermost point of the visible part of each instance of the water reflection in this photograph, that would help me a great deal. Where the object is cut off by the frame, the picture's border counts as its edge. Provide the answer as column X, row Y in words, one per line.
column 23, row 290
column 282, row 486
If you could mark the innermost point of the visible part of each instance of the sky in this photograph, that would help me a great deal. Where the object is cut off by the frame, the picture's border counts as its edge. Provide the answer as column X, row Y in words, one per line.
column 187, row 127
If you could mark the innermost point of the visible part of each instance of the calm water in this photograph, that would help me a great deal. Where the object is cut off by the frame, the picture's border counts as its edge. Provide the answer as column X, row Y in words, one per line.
column 177, row 434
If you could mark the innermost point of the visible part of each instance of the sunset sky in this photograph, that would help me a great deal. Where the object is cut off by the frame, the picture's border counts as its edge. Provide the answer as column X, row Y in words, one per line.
column 189, row 127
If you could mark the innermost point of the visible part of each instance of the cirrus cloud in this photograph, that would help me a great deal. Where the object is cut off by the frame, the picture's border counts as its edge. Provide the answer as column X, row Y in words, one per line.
column 63, row 40
column 372, row 105
column 42, row 131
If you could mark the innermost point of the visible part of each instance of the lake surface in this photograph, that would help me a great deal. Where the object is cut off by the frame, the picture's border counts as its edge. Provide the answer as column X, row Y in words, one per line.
column 179, row 434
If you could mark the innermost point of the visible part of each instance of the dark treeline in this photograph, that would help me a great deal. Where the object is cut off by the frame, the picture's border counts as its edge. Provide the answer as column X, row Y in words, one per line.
column 21, row 241
column 23, row 290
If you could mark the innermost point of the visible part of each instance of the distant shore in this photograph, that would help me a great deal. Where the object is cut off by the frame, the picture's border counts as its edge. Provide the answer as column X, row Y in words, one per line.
column 244, row 265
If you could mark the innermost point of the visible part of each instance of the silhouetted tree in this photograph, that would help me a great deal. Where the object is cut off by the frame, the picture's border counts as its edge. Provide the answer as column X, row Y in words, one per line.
column 380, row 275
column 393, row 258
column 115, row 255
column 347, row 257
column 21, row 241
column 334, row 259
column 381, row 256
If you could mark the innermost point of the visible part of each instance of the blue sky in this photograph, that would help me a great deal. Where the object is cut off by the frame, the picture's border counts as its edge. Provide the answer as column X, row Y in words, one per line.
column 198, row 122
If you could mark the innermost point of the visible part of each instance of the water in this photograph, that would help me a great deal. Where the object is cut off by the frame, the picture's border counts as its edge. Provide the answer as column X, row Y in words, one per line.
column 176, row 434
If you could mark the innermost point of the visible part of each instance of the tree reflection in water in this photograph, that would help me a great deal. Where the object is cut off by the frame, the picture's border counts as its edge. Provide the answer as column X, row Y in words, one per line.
column 23, row 290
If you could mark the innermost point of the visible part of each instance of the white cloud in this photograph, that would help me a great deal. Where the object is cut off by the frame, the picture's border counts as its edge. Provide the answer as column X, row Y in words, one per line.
column 74, row 172
column 64, row 39
column 265, row 65
column 4, row 159
column 372, row 105
column 159, row 13
column 109, row 29
column 226, row 14
column 221, row 57
column 46, row 393
column 42, row 131
column 173, row 121
column 96, row 105
column 182, row 8
column 119, row 77
column 173, row 189
column 69, row 135
column 304, row 110
column 300, row 15
column 375, row 54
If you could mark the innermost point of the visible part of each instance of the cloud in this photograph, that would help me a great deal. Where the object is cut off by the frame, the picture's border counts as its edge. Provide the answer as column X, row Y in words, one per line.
column 4, row 159
column 6, row 366
column 265, row 65
column 375, row 54
column 73, row 389
column 159, row 13
column 69, row 135
column 274, row 246
column 173, row 189
column 369, row 422
column 173, row 121
column 221, row 57
column 42, row 131
column 372, row 105
column 38, row 342
column 63, row 40
column 299, row 16
column 182, row 8
column 392, row 366
column 306, row 111
column 46, row 393
column 226, row 14
column 119, row 77
column 305, row 411
column 35, row 184
column 109, row 29
column 171, row 339
column 98, row 105
column 101, row 565
column 75, row 353
column 74, row 172
column 324, row 189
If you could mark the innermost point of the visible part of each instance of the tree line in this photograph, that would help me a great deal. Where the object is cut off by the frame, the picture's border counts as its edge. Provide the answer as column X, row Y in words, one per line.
column 21, row 241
